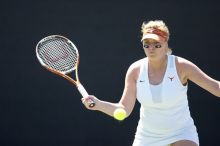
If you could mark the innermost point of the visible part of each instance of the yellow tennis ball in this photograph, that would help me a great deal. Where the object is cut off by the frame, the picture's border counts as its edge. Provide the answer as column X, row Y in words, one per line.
column 119, row 114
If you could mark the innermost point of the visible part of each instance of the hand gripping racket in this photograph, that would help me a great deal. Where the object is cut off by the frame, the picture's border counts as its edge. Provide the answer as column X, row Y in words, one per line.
column 60, row 56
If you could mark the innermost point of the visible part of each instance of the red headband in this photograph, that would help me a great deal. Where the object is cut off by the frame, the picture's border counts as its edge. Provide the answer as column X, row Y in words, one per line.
column 157, row 32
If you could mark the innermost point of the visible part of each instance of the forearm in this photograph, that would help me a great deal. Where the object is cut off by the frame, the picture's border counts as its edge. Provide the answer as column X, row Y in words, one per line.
column 213, row 87
column 108, row 107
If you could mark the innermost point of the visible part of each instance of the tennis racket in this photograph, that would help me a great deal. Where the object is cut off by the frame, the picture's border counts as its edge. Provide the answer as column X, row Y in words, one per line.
column 60, row 56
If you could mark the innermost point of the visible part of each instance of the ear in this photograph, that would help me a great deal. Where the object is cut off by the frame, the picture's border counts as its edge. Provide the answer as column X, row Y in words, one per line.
column 169, row 51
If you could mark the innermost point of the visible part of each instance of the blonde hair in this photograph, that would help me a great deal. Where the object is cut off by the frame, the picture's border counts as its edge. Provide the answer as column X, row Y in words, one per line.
column 156, row 24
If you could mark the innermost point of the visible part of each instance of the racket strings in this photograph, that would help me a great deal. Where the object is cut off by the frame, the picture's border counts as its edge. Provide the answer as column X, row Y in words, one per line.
column 58, row 54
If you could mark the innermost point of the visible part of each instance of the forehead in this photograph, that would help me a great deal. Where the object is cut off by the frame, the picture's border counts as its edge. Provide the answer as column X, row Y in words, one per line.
column 150, row 41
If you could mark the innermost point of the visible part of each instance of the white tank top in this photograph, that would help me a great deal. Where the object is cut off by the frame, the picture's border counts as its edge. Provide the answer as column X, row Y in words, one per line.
column 156, row 93
column 166, row 111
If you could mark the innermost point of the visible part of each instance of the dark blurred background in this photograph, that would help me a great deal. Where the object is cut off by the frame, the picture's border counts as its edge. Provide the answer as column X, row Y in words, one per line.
column 38, row 108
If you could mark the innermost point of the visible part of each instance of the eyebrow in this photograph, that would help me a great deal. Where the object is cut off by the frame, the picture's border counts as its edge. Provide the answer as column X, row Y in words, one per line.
column 151, row 42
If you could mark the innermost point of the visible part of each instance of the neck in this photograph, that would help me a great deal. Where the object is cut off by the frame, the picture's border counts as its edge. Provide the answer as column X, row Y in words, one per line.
column 157, row 64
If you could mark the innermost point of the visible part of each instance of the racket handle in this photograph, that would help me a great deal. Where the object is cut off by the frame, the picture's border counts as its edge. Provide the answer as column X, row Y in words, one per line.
column 84, row 93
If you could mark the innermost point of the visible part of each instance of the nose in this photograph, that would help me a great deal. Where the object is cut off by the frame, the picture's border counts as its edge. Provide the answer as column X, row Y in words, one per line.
column 151, row 48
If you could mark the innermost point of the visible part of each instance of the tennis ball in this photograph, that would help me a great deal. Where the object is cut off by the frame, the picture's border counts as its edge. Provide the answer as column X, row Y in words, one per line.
column 119, row 114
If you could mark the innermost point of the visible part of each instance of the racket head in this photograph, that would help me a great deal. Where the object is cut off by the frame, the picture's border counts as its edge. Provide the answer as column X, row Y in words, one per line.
column 58, row 54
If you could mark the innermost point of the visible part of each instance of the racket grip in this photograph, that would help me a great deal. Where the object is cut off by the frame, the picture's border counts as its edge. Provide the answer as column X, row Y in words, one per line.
column 84, row 93
column 82, row 90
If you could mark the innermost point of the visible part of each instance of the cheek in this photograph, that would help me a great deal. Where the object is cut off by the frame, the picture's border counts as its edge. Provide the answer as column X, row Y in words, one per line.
column 162, row 50
column 146, row 51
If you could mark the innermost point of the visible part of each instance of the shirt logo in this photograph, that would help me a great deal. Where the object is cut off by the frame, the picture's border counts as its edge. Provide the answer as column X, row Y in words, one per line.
column 141, row 81
column 171, row 78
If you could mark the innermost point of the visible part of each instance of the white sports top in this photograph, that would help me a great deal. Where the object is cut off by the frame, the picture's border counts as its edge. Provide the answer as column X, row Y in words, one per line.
column 165, row 112
column 156, row 93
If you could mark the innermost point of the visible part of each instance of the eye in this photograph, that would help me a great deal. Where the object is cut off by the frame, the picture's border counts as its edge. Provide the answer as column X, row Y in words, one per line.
column 158, row 46
column 146, row 46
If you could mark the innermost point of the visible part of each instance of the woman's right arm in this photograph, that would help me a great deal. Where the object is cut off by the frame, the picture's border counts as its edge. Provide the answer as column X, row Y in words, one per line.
column 127, row 100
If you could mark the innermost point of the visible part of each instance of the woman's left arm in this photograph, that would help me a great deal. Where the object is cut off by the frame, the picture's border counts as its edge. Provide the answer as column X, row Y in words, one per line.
column 196, row 75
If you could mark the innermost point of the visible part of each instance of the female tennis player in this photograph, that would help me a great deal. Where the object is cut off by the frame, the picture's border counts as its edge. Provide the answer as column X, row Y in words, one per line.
column 159, row 82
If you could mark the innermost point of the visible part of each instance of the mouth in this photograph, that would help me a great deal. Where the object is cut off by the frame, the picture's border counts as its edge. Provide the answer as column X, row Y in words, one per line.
column 151, row 54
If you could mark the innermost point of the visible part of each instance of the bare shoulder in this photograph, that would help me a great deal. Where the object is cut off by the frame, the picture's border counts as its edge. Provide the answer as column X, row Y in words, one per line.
column 183, row 64
column 134, row 68
column 182, row 61
column 186, row 68
column 137, row 64
column 192, row 72
column 183, row 67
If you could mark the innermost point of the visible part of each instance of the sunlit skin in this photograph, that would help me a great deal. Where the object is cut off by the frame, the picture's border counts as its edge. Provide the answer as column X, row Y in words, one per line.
column 156, row 51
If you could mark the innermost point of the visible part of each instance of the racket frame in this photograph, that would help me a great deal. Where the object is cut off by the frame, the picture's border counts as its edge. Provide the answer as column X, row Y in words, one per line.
column 65, row 75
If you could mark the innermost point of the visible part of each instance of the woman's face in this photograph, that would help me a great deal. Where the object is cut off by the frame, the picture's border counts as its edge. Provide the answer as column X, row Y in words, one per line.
column 155, row 49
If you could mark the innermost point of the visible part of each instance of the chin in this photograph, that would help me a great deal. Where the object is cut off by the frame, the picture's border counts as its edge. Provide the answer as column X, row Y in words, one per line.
column 152, row 55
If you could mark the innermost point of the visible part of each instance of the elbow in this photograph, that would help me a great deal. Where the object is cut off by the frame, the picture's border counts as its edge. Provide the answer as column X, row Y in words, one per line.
column 127, row 109
column 127, row 113
column 218, row 94
column 218, row 90
column 215, row 90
